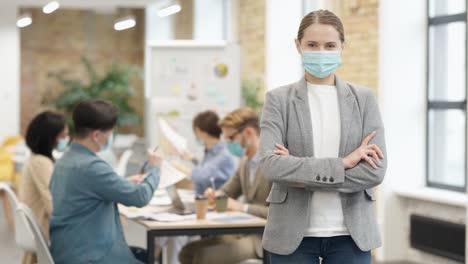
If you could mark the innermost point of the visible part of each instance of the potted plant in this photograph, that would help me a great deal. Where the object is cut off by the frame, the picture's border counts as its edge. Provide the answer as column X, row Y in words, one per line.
column 251, row 91
column 113, row 86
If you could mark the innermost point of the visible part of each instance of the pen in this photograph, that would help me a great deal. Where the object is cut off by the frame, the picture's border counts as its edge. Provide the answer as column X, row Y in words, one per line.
column 143, row 168
column 213, row 184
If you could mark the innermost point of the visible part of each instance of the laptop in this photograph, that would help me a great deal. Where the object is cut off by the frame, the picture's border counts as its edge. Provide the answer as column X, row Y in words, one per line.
column 178, row 207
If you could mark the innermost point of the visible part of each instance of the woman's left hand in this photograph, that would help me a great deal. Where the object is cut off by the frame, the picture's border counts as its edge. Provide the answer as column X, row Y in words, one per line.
column 281, row 150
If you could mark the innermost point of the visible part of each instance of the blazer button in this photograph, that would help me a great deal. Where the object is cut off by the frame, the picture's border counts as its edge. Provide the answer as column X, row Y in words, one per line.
column 332, row 179
column 324, row 179
column 318, row 178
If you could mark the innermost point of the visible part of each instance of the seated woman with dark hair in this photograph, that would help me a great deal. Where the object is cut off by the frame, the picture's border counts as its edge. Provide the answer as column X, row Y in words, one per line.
column 46, row 131
column 217, row 165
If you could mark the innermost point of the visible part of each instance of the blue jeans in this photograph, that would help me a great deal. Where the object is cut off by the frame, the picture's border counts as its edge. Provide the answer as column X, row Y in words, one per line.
column 332, row 250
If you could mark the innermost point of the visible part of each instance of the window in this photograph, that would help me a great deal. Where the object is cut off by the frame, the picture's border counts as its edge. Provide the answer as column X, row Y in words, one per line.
column 310, row 5
column 446, row 95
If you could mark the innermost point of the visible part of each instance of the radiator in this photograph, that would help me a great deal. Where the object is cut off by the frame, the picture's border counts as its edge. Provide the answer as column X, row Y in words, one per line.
column 438, row 237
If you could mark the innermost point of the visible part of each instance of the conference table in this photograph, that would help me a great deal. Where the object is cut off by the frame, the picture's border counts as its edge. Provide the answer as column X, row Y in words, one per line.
column 226, row 223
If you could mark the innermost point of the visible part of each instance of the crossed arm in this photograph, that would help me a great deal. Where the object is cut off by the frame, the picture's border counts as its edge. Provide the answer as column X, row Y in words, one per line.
column 364, row 168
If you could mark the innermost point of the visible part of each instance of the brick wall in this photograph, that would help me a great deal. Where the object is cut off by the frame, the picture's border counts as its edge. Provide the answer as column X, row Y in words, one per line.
column 57, row 42
column 183, row 25
column 360, row 56
column 251, row 30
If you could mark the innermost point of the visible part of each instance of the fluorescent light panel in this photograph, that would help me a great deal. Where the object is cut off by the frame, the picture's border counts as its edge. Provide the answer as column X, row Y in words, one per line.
column 50, row 7
column 24, row 21
column 125, row 23
column 170, row 10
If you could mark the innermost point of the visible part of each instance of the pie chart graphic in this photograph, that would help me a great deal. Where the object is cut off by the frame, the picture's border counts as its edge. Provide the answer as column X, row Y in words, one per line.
column 221, row 70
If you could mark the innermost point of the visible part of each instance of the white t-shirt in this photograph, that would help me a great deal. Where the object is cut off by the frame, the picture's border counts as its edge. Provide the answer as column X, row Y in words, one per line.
column 326, row 214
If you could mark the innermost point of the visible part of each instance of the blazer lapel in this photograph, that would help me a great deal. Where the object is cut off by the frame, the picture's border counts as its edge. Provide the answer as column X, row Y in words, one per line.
column 347, row 104
column 301, row 105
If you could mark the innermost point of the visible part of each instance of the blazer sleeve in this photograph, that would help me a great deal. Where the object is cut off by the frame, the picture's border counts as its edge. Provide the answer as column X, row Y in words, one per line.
column 233, row 187
column 258, row 210
column 41, row 180
column 308, row 171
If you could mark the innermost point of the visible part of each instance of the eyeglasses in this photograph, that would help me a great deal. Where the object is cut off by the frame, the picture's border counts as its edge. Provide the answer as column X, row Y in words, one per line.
column 231, row 137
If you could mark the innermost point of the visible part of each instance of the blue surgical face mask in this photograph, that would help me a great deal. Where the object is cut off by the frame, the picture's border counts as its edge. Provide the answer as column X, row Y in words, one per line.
column 108, row 145
column 321, row 63
column 236, row 149
column 62, row 144
column 200, row 142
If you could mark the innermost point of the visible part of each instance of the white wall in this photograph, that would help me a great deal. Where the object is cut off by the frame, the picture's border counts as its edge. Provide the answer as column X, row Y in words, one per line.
column 10, row 71
column 208, row 19
column 232, row 21
column 208, row 25
column 283, row 65
column 402, row 94
column 158, row 28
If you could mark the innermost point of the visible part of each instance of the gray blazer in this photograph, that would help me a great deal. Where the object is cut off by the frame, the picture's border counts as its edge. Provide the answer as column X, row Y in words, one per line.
column 286, row 120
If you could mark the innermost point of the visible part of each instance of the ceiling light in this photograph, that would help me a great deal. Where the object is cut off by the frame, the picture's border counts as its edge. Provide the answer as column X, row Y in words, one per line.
column 169, row 10
column 24, row 21
column 125, row 23
column 51, row 7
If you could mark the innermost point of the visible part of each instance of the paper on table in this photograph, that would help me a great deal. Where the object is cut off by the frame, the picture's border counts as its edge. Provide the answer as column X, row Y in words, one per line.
column 137, row 215
column 169, row 175
column 161, row 201
column 169, row 217
column 232, row 219
column 178, row 141
column 133, row 212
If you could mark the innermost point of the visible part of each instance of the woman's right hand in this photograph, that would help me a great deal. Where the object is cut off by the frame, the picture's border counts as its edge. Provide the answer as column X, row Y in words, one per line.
column 366, row 152
column 283, row 151
column 155, row 158
column 186, row 155
column 210, row 194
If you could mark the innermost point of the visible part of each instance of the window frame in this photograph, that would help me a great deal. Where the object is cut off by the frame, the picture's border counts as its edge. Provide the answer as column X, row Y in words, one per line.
column 445, row 104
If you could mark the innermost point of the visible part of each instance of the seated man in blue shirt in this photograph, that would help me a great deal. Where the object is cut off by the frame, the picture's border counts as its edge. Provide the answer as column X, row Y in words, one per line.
column 85, row 224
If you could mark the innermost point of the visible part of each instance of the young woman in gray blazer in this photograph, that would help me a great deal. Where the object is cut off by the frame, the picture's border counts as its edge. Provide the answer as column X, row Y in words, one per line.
column 322, row 146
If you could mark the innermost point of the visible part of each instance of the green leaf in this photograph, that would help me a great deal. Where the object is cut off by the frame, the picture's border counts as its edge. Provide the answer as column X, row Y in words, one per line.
column 113, row 86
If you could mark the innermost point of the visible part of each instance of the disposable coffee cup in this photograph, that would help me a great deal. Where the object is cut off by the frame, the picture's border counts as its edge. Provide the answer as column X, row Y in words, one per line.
column 201, row 206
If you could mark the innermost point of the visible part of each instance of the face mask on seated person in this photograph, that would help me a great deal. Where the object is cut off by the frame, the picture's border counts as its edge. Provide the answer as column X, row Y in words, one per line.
column 62, row 144
column 236, row 149
column 200, row 142
column 109, row 143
